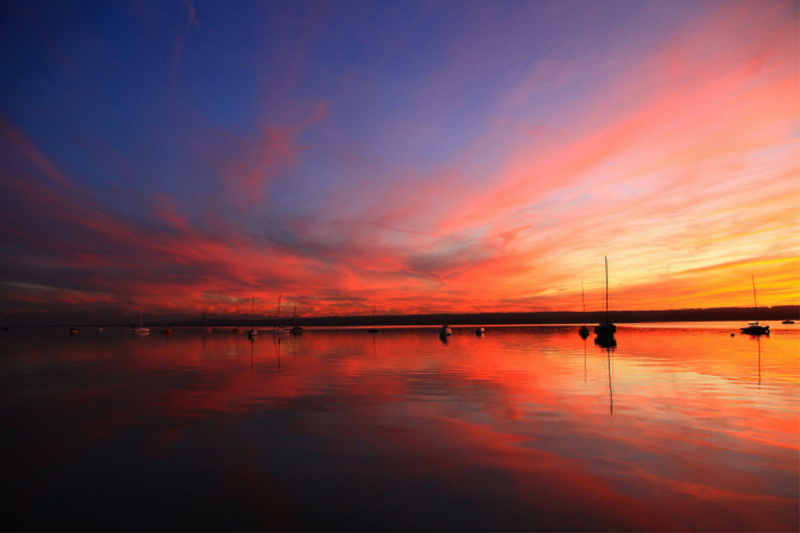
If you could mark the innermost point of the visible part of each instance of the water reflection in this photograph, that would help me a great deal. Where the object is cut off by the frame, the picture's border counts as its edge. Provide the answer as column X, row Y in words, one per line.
column 758, row 341
column 610, row 387
column 116, row 431
column 605, row 341
column 276, row 341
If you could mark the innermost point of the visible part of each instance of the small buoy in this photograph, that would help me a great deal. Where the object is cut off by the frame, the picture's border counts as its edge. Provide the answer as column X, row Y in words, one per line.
column 731, row 334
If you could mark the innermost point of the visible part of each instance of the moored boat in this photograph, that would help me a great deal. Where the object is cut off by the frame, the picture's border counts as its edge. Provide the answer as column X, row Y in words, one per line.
column 584, row 331
column 373, row 329
column 296, row 330
column 606, row 329
column 754, row 328
column 279, row 329
column 252, row 334
column 141, row 328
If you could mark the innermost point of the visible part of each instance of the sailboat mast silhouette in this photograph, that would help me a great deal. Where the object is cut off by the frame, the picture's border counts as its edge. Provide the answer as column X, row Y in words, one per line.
column 607, row 329
column 606, row 289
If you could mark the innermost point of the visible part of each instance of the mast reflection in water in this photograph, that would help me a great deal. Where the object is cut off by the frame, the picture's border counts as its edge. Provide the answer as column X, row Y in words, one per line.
column 525, row 429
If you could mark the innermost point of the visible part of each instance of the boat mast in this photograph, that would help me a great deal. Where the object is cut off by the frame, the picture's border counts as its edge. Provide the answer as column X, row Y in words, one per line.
column 754, row 295
column 583, row 297
column 279, row 310
column 252, row 305
column 607, row 290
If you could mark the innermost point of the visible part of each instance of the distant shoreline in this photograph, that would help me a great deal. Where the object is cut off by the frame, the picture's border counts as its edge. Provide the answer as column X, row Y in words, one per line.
column 109, row 318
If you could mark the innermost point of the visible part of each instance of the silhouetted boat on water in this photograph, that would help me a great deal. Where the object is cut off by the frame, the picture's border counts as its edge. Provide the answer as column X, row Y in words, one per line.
column 788, row 322
column 238, row 329
column 373, row 329
column 280, row 329
column 754, row 328
column 607, row 329
column 445, row 330
column 252, row 334
column 205, row 328
column 584, row 331
column 296, row 330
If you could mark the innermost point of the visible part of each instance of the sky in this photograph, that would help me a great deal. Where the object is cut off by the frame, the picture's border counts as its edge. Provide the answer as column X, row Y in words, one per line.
column 419, row 157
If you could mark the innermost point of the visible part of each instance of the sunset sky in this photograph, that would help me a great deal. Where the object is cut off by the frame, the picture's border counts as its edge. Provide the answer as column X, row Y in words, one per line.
column 417, row 156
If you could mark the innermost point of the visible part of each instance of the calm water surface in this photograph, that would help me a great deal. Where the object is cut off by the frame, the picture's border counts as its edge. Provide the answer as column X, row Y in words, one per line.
column 528, row 428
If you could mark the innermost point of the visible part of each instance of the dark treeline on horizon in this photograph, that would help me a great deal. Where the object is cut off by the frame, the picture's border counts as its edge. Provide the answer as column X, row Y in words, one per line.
column 109, row 318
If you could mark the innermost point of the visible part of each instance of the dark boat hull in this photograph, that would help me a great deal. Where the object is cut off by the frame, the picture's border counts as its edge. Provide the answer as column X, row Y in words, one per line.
column 605, row 330
column 756, row 330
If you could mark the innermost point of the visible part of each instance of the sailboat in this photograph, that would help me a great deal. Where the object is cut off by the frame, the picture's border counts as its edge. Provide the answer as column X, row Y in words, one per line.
column 754, row 328
column 584, row 331
column 205, row 329
column 141, row 329
column 373, row 329
column 238, row 329
column 280, row 329
column 296, row 330
column 252, row 334
column 606, row 329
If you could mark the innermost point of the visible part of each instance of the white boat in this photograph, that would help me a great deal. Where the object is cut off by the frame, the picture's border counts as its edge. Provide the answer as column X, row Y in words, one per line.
column 140, row 329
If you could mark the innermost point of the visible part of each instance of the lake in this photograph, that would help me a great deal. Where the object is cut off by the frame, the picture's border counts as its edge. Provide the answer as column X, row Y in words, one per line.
column 678, row 428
